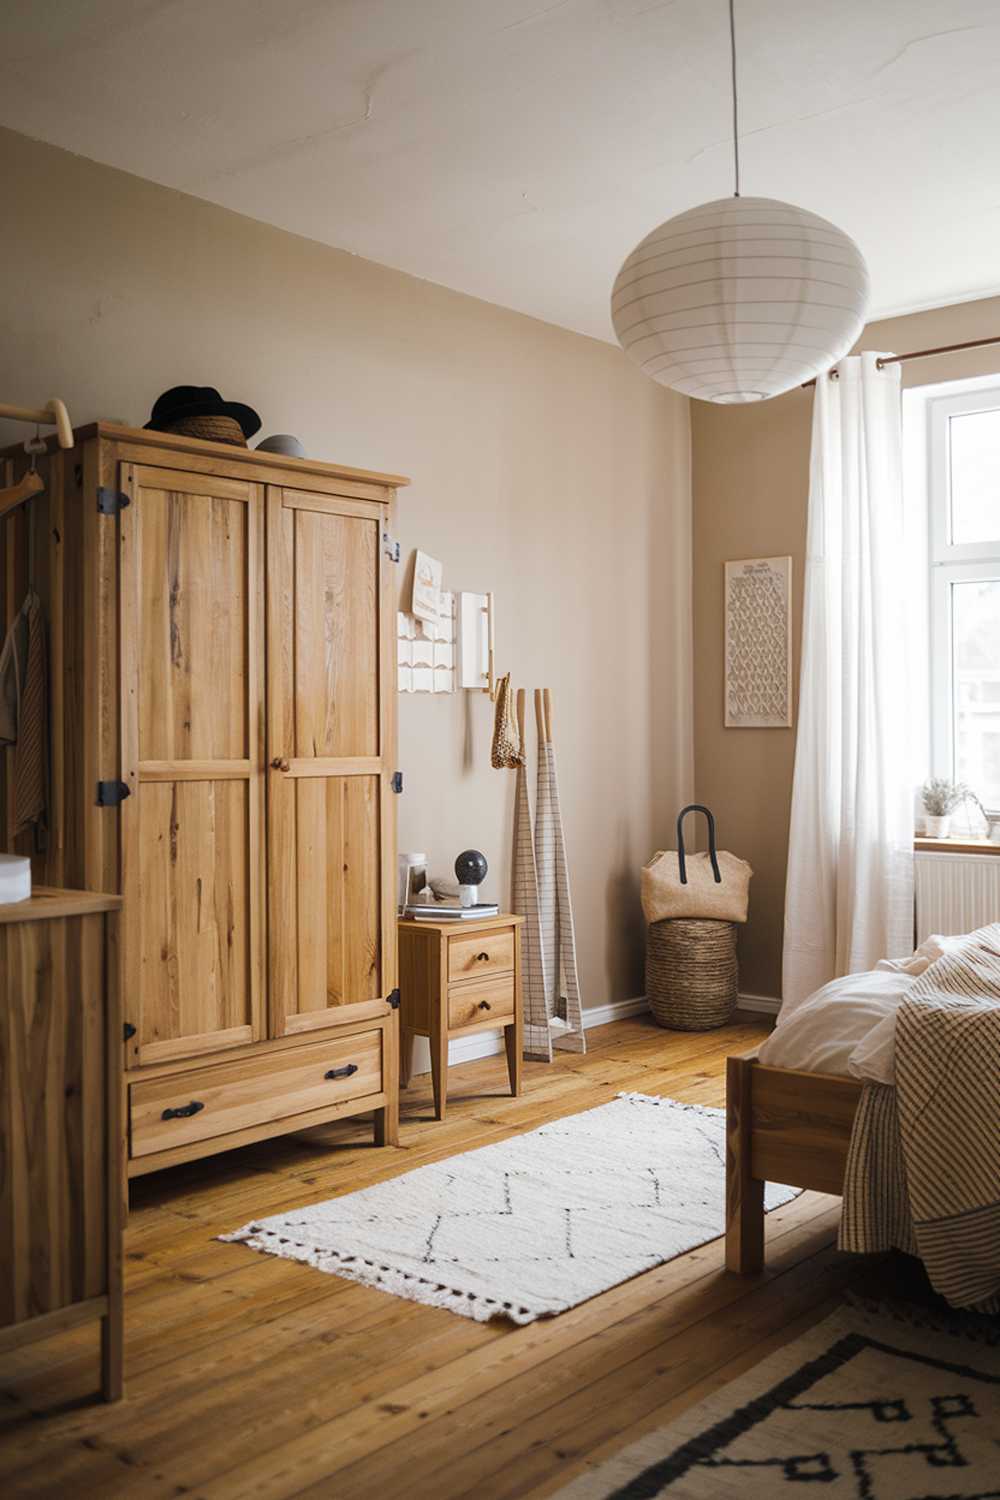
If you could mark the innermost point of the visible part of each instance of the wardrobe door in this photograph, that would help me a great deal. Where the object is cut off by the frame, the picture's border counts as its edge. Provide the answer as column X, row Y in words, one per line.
column 192, row 669
column 330, row 682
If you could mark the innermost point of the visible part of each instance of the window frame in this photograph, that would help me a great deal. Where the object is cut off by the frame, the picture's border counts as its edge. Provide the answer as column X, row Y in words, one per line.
column 950, row 563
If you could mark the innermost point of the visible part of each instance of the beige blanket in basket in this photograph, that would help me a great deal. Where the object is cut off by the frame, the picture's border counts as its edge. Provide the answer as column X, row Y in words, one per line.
column 663, row 894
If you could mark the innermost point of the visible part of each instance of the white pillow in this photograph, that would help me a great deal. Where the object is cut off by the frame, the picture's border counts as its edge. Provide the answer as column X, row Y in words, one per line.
column 930, row 950
column 821, row 1034
column 874, row 1058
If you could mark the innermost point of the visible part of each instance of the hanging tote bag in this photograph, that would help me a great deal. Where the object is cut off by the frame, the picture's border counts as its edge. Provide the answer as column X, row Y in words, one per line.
column 507, row 752
column 677, row 884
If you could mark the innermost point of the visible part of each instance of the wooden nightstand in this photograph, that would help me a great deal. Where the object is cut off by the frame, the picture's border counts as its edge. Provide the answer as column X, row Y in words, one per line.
column 458, row 977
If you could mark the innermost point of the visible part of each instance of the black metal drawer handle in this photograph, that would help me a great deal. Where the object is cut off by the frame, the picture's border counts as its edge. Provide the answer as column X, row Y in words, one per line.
column 484, row 1005
column 183, row 1111
column 342, row 1072
column 482, row 958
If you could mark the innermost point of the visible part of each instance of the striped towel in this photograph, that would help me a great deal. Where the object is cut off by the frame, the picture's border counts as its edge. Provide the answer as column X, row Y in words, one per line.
column 524, row 900
column 923, row 1171
column 555, row 907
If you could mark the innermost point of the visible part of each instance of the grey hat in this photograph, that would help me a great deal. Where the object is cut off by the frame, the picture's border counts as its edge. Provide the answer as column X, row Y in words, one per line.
column 282, row 442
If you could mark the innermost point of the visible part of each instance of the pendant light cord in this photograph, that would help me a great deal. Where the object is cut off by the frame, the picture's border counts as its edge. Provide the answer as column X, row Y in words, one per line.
column 736, row 121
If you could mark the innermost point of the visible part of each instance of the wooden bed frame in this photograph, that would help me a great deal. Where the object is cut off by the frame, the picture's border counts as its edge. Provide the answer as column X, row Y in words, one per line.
column 781, row 1126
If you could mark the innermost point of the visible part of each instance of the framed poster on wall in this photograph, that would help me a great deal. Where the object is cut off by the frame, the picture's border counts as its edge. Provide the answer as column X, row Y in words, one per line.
column 758, row 678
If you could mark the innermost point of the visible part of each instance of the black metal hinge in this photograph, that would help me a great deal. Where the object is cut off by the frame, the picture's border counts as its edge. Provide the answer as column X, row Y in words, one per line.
column 397, row 781
column 111, row 501
column 390, row 547
column 129, row 1031
column 112, row 793
column 393, row 1000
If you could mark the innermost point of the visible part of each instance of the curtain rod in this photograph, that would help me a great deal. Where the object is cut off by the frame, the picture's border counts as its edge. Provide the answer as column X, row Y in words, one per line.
column 899, row 359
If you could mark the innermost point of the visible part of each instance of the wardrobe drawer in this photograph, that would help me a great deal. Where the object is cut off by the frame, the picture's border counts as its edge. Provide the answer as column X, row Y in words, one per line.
column 482, row 953
column 249, row 1091
column 471, row 1004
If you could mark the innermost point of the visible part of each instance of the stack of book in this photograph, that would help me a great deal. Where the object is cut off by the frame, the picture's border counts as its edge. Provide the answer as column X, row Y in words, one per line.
column 449, row 911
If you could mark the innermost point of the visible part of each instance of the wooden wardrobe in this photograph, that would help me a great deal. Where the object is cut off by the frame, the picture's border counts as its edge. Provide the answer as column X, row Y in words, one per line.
column 222, row 659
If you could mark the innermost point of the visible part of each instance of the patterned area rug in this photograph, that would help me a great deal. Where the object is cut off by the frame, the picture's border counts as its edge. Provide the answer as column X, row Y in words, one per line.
column 861, row 1407
column 532, row 1225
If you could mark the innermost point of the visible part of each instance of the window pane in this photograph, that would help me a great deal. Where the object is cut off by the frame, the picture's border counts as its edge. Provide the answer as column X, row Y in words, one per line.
column 975, row 477
column 975, row 610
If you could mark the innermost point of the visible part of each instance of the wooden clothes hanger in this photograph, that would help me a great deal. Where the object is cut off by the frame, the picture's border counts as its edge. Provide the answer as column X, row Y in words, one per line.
column 30, row 483
column 54, row 415
column 16, row 494
column 543, row 715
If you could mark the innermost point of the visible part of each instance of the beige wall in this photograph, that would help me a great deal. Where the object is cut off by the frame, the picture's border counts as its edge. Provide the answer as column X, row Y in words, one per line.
column 544, row 467
column 750, row 476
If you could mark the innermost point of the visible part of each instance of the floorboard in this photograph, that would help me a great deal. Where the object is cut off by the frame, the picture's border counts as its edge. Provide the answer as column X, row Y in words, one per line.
column 248, row 1376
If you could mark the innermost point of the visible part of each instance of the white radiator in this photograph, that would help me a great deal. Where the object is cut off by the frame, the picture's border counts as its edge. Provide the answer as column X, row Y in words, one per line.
column 955, row 892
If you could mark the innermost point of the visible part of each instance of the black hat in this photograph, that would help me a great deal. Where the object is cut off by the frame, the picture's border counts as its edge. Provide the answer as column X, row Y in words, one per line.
column 199, row 401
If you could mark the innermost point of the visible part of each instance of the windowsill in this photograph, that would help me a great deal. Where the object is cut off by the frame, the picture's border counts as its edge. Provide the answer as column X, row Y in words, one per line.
column 963, row 845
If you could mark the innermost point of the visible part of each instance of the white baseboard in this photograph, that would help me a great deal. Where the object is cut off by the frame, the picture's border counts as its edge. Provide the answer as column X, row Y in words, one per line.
column 765, row 1004
column 617, row 1010
column 488, row 1043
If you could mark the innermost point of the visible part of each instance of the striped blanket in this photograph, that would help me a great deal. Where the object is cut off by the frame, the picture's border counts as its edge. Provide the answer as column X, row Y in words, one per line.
column 923, row 1170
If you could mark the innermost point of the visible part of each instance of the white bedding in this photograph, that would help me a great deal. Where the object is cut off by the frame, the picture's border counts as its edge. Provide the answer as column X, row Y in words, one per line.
column 848, row 1026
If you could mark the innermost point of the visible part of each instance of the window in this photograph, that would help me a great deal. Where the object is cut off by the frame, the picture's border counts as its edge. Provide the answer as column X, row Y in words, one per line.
column 964, row 555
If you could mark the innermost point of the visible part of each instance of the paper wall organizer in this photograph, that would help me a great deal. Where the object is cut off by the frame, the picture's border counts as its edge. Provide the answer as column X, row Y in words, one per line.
column 758, row 681
column 426, row 650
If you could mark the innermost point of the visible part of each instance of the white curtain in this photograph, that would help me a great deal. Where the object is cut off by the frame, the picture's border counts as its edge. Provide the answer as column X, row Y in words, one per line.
column 849, row 894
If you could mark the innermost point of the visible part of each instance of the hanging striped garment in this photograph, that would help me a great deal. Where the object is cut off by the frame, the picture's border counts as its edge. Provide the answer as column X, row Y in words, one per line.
column 524, row 902
column 545, row 865
column 923, row 1170
column 556, row 910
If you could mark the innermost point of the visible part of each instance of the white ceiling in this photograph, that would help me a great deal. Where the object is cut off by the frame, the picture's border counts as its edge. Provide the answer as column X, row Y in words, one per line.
column 516, row 149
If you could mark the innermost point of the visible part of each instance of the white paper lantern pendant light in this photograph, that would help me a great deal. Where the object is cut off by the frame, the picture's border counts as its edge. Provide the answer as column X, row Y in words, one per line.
column 740, row 299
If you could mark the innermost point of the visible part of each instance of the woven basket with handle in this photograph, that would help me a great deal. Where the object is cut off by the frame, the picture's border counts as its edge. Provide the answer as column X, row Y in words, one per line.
column 691, row 972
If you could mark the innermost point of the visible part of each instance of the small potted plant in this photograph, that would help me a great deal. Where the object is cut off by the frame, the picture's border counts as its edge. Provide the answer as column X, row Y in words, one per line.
column 940, row 798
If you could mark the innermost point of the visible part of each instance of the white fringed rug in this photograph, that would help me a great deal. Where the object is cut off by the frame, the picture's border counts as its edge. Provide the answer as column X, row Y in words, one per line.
column 532, row 1225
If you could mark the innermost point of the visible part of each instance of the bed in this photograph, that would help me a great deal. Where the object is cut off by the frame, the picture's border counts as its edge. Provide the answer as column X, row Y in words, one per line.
column 848, row 1096
column 782, row 1125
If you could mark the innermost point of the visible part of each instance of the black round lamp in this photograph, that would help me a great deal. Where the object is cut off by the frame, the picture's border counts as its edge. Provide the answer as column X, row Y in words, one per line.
column 470, row 872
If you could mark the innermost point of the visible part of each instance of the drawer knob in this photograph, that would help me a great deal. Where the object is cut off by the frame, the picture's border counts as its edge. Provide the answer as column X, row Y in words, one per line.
column 484, row 1005
column 183, row 1111
column 482, row 958
column 342, row 1072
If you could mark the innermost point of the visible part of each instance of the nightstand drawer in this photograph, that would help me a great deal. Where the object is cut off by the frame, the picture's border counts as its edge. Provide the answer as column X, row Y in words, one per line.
column 473, row 1004
column 480, row 954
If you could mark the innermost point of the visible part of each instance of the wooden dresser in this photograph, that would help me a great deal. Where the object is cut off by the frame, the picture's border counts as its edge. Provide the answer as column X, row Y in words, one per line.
column 457, row 978
column 60, row 1108
column 223, row 664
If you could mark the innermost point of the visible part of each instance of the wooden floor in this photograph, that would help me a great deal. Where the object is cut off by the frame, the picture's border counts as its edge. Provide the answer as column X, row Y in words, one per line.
column 248, row 1376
